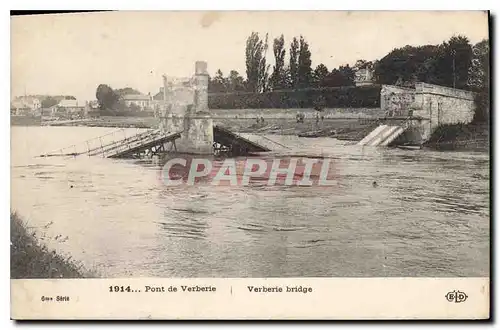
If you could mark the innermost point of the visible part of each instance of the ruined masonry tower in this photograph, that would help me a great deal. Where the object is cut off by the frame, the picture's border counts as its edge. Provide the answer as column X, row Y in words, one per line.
column 186, row 110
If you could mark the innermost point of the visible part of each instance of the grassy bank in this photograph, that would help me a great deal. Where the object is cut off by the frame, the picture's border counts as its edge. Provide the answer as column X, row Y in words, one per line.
column 31, row 259
column 473, row 136
column 25, row 120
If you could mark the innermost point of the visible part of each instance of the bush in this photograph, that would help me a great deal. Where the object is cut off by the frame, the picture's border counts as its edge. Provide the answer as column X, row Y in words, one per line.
column 30, row 259
column 482, row 103
column 330, row 97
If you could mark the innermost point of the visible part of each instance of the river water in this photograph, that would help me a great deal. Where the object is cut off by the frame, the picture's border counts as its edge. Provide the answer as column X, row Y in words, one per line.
column 428, row 215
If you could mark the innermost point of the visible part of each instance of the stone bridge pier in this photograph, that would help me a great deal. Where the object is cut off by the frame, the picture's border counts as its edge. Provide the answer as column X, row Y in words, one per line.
column 428, row 106
column 186, row 110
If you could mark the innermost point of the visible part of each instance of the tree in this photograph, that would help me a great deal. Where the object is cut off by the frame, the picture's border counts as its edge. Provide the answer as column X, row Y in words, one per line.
column 451, row 67
column 49, row 102
column 479, row 80
column 218, row 84
column 446, row 64
column 348, row 73
column 343, row 76
column 277, row 80
column 319, row 75
column 134, row 107
column 127, row 91
column 256, row 68
column 264, row 69
column 304, row 65
column 107, row 97
column 407, row 64
column 479, row 71
column 363, row 64
column 234, row 82
column 294, row 63
column 287, row 79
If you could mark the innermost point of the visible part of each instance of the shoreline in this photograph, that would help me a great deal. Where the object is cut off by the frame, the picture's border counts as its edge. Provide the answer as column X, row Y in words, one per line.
column 31, row 259
column 460, row 137
column 456, row 137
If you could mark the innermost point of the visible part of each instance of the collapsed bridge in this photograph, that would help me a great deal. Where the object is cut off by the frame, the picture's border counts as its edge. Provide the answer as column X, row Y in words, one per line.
column 153, row 142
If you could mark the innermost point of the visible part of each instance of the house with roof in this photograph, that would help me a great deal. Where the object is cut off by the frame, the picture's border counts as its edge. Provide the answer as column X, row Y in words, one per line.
column 139, row 100
column 24, row 105
column 68, row 108
column 364, row 77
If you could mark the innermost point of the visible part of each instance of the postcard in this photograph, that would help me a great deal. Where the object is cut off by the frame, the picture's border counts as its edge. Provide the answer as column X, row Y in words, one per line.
column 250, row 165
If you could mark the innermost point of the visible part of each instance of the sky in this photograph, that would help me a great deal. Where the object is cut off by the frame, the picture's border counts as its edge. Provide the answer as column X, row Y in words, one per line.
column 71, row 54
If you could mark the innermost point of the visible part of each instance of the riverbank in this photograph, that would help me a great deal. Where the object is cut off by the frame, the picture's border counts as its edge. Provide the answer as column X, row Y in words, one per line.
column 31, row 259
column 343, row 128
column 103, row 121
column 25, row 120
column 470, row 137
column 110, row 121
column 474, row 137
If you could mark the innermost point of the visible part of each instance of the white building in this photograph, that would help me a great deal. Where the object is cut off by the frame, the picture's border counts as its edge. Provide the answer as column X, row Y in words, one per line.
column 68, row 107
column 23, row 105
column 364, row 77
column 139, row 100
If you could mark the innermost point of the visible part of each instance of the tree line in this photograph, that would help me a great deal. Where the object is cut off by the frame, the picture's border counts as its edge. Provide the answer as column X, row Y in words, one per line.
column 453, row 63
column 294, row 72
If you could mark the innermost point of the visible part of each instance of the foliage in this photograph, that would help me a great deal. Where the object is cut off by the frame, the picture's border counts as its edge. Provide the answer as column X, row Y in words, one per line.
column 294, row 63
column 456, row 133
column 278, row 77
column 319, row 75
column 235, row 82
column 232, row 83
column 304, row 65
column 30, row 259
column 479, row 80
column 49, row 102
column 218, row 83
column 366, row 96
column 406, row 64
column 256, row 68
column 127, row 91
column 107, row 97
column 343, row 76
column 134, row 107
column 453, row 63
column 446, row 64
column 363, row 64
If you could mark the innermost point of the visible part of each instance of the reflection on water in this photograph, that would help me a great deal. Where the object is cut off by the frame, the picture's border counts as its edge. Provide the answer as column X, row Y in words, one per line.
column 428, row 215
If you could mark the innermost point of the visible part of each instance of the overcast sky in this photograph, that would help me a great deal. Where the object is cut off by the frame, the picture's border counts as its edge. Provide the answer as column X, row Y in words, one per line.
column 74, row 53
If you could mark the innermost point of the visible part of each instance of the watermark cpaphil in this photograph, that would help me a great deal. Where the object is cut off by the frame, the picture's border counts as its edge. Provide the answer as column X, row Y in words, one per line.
column 243, row 171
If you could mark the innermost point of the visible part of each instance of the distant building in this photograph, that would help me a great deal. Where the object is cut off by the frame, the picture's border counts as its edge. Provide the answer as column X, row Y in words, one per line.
column 364, row 77
column 68, row 108
column 24, row 105
column 94, row 105
column 139, row 100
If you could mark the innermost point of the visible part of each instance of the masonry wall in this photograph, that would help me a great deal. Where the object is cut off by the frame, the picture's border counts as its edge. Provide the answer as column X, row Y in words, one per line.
column 291, row 114
column 444, row 105
column 395, row 100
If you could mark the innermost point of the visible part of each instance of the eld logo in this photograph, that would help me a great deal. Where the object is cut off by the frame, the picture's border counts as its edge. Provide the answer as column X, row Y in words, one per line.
column 456, row 296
